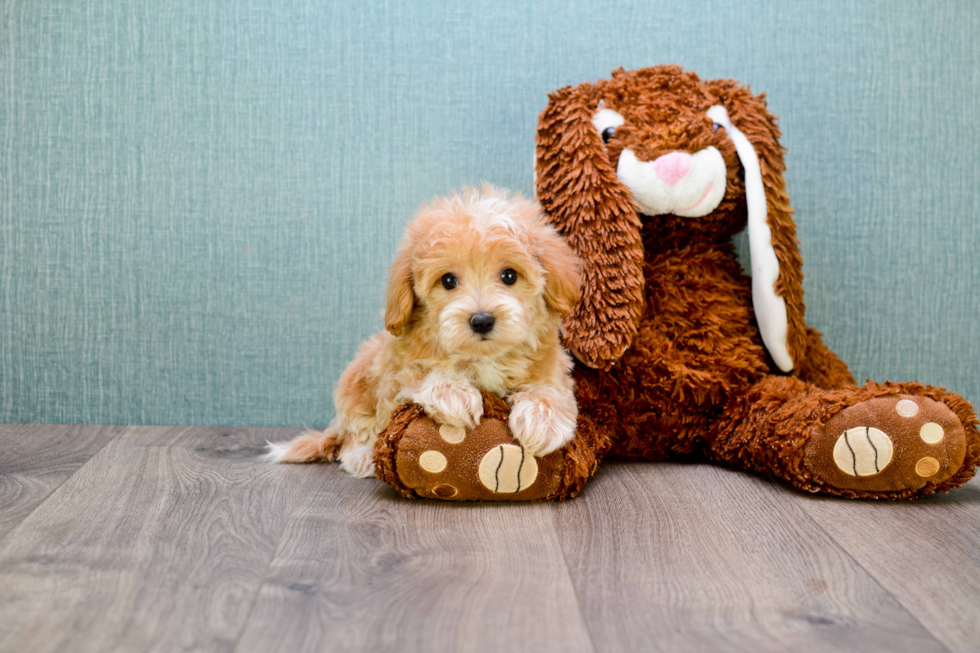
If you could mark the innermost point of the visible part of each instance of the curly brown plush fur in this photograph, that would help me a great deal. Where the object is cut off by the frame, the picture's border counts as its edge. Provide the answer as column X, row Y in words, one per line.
column 674, row 364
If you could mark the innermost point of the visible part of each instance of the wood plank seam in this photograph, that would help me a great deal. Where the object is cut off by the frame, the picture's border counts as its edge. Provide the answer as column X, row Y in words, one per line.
column 877, row 581
column 122, row 429
column 571, row 581
column 265, row 574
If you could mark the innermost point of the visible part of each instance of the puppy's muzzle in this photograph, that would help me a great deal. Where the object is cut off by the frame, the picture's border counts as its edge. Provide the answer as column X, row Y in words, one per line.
column 482, row 323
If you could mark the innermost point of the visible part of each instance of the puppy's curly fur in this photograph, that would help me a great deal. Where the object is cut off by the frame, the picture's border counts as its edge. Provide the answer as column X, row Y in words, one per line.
column 483, row 253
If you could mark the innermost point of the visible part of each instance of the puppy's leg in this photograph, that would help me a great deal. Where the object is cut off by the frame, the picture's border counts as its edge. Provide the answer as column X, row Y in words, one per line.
column 543, row 418
column 357, row 459
column 357, row 421
column 449, row 399
column 307, row 448
column 355, row 452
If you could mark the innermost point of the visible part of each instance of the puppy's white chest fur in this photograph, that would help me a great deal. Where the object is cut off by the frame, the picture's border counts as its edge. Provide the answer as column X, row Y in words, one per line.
column 488, row 374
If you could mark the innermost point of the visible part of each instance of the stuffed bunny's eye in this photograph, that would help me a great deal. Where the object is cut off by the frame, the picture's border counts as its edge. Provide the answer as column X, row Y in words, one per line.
column 606, row 121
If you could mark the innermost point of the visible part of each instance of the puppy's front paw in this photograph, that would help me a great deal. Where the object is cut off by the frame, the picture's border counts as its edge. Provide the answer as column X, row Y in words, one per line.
column 541, row 424
column 451, row 403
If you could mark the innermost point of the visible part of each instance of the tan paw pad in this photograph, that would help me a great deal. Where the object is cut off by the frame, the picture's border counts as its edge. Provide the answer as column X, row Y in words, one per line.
column 907, row 408
column 931, row 433
column 445, row 491
column 927, row 467
column 432, row 462
column 507, row 468
column 863, row 451
column 452, row 434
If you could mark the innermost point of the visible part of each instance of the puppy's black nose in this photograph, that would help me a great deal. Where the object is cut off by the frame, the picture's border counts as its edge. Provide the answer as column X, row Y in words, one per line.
column 482, row 322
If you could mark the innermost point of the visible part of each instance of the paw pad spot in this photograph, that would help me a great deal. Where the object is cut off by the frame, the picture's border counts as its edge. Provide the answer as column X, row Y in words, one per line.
column 927, row 467
column 452, row 434
column 907, row 408
column 863, row 451
column 445, row 491
column 432, row 461
column 508, row 468
column 931, row 433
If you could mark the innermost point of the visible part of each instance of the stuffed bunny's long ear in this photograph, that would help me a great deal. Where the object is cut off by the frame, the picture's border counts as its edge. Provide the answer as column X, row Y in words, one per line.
column 777, row 277
column 579, row 192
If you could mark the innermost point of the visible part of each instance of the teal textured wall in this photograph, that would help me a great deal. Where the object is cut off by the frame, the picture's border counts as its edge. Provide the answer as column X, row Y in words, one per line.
column 200, row 199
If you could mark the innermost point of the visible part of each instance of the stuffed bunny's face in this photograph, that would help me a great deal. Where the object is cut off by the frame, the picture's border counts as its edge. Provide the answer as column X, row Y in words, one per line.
column 674, row 159
column 660, row 159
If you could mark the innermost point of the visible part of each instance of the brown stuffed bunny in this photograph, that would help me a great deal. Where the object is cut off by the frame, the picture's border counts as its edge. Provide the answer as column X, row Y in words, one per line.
column 648, row 175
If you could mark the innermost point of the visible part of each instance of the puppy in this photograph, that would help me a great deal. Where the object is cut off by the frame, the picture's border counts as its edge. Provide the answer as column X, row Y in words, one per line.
column 476, row 296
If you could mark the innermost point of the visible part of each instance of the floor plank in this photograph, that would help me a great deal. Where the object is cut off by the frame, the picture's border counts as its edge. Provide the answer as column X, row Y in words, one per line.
column 37, row 458
column 673, row 557
column 158, row 543
column 361, row 569
column 925, row 552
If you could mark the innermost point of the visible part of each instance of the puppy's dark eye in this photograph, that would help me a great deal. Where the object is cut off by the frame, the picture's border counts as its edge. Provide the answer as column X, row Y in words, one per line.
column 508, row 277
column 449, row 281
column 608, row 133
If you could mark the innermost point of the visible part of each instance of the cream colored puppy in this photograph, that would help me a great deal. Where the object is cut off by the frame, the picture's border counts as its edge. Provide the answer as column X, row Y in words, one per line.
column 476, row 296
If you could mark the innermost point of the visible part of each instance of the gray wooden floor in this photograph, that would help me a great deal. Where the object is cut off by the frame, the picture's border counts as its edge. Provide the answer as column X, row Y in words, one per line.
column 165, row 539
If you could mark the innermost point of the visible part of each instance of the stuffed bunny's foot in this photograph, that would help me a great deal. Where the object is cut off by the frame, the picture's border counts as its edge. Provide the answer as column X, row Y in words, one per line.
column 888, row 444
column 424, row 458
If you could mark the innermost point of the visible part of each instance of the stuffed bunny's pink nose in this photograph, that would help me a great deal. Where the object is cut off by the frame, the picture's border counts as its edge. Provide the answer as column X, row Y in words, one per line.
column 672, row 167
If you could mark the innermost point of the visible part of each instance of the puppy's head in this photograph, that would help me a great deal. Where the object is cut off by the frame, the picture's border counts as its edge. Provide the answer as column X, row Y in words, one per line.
column 480, row 272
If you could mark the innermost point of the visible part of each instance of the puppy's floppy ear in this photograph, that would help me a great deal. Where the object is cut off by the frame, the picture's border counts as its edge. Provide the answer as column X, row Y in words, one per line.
column 400, row 295
column 777, row 268
column 562, row 270
column 579, row 192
